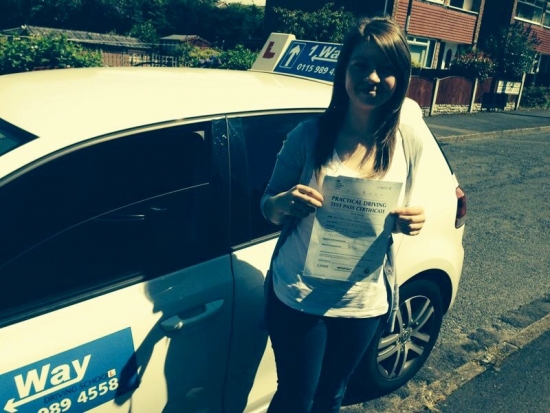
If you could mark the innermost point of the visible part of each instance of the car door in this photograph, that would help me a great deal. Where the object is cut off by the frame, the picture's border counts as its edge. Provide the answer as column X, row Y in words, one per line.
column 117, row 287
column 255, row 141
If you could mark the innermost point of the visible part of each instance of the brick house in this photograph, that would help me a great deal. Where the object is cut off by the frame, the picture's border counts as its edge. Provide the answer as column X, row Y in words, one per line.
column 436, row 29
column 534, row 13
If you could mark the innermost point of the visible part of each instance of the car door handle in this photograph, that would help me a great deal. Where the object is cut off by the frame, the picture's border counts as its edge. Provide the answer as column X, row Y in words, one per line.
column 114, row 217
column 176, row 323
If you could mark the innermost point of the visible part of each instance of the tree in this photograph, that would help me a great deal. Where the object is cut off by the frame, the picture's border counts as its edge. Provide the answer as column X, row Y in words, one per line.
column 513, row 50
column 325, row 24
column 37, row 12
column 145, row 31
column 233, row 24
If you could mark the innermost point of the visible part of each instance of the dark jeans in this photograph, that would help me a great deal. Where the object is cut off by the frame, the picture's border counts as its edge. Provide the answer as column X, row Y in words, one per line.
column 315, row 357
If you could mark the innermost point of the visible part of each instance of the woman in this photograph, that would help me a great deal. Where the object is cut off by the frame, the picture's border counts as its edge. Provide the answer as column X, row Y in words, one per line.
column 321, row 326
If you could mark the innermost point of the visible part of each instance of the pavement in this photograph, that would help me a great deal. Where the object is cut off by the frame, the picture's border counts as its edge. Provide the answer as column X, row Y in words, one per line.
column 484, row 124
column 520, row 366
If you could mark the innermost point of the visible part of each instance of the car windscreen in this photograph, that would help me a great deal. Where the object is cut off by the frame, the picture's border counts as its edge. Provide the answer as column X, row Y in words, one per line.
column 12, row 137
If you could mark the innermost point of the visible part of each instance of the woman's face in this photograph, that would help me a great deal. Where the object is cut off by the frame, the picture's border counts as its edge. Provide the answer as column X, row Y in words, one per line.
column 370, row 77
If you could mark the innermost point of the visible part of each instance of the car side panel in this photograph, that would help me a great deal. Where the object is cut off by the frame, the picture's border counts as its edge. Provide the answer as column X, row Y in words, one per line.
column 251, row 370
column 179, row 369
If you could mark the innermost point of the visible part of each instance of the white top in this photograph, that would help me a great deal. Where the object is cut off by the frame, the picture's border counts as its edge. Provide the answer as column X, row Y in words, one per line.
column 331, row 298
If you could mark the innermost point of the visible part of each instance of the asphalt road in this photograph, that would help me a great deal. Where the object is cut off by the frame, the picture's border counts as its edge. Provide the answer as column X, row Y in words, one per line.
column 520, row 384
column 505, row 284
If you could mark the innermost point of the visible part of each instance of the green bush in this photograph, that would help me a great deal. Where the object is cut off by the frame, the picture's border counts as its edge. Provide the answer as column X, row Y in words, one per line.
column 19, row 54
column 536, row 97
column 239, row 58
column 473, row 64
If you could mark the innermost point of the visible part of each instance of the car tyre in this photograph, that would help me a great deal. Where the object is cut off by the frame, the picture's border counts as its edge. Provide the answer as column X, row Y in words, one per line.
column 396, row 355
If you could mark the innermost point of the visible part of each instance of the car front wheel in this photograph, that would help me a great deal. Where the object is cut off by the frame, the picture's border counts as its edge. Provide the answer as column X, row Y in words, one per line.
column 396, row 354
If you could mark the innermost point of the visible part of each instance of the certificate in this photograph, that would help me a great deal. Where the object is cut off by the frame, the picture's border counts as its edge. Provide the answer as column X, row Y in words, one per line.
column 351, row 232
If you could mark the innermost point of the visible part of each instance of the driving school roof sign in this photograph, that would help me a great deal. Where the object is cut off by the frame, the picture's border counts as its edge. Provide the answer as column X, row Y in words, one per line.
column 282, row 53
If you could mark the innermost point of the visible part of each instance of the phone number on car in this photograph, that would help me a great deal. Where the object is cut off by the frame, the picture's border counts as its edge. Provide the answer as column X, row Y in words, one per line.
column 323, row 70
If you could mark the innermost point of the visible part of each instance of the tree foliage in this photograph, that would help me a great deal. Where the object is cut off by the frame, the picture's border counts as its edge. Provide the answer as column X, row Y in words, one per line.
column 146, row 32
column 513, row 50
column 225, row 25
column 328, row 24
column 26, row 54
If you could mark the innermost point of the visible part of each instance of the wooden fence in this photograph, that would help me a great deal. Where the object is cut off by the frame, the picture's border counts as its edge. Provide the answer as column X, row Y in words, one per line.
column 140, row 59
column 455, row 94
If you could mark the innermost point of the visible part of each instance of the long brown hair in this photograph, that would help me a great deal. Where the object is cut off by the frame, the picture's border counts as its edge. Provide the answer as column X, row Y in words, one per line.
column 391, row 40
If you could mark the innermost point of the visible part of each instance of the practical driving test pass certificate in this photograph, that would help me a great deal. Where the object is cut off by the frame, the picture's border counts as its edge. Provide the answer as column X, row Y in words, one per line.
column 351, row 232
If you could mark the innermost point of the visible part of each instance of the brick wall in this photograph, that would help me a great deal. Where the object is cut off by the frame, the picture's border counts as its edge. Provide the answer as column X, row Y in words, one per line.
column 438, row 22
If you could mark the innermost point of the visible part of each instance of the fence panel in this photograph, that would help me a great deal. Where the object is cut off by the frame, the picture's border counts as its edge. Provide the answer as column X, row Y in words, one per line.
column 482, row 88
column 421, row 91
column 454, row 90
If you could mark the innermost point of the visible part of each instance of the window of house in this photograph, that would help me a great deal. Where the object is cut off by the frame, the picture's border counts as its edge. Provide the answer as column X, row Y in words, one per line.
column 436, row 1
column 133, row 206
column 422, row 51
column 255, row 142
column 531, row 10
column 544, row 64
column 546, row 19
column 470, row 5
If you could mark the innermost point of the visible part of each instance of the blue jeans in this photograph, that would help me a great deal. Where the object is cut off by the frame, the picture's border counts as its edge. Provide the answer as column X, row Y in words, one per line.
column 315, row 357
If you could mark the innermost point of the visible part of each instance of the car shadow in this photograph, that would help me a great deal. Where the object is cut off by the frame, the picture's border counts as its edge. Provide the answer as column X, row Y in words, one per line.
column 248, row 343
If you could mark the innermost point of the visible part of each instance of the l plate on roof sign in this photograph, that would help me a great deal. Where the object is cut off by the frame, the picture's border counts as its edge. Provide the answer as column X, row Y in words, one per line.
column 310, row 59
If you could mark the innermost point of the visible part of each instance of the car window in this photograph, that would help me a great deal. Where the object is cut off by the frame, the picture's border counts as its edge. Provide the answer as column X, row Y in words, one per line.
column 255, row 142
column 137, row 205
column 12, row 137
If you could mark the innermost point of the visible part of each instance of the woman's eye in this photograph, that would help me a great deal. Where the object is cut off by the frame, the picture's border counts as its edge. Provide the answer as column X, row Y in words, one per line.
column 361, row 66
column 386, row 70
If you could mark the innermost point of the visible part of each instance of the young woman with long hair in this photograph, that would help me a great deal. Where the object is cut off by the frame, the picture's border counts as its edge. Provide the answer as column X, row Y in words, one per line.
column 319, row 327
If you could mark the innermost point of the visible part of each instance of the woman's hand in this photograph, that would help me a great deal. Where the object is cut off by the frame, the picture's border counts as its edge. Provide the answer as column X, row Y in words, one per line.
column 299, row 201
column 409, row 220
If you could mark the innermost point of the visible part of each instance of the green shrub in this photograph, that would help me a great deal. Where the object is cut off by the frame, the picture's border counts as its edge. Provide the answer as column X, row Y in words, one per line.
column 473, row 64
column 536, row 97
column 239, row 58
column 19, row 54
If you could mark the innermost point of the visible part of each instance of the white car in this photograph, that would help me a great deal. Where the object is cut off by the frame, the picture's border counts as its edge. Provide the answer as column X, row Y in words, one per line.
column 133, row 250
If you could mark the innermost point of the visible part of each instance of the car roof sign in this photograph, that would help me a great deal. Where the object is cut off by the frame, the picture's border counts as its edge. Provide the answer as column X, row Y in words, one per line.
column 314, row 60
column 282, row 53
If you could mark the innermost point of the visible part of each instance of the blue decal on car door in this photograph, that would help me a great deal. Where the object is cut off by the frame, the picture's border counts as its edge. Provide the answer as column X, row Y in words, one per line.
column 76, row 380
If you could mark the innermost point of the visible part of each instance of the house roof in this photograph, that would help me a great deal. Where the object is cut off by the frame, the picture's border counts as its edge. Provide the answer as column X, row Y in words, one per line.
column 184, row 38
column 79, row 36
